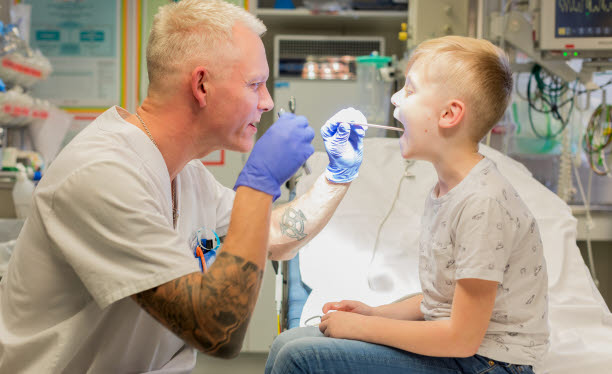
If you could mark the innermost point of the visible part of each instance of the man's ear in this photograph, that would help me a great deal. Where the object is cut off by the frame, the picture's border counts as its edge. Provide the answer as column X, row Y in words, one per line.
column 199, row 80
column 452, row 114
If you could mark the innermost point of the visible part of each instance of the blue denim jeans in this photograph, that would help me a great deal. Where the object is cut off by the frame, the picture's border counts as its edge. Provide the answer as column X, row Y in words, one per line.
column 307, row 350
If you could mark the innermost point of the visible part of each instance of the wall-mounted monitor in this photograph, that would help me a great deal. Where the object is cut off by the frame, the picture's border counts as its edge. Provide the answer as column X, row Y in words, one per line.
column 576, row 26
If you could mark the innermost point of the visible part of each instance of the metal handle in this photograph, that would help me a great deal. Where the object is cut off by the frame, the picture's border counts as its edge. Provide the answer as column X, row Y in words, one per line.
column 292, row 104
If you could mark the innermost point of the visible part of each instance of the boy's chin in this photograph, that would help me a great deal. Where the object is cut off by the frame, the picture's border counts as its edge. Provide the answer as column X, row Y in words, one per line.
column 411, row 154
column 405, row 149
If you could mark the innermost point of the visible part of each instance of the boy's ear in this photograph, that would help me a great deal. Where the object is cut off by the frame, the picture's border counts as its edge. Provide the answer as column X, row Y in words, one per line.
column 199, row 81
column 452, row 114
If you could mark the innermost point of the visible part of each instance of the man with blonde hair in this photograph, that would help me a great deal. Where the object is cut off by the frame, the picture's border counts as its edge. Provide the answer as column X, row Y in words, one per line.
column 113, row 272
column 481, row 264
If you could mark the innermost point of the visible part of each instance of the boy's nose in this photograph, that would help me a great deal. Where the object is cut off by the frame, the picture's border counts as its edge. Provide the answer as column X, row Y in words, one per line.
column 394, row 99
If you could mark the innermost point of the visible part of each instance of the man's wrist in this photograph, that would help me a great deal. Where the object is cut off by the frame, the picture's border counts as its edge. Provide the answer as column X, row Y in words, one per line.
column 332, row 183
column 254, row 191
column 337, row 178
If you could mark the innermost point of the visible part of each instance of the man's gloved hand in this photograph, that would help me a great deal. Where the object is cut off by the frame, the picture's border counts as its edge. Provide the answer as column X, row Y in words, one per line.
column 277, row 155
column 344, row 145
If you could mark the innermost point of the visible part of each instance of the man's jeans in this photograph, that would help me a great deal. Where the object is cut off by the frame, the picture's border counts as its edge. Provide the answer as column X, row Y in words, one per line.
column 307, row 350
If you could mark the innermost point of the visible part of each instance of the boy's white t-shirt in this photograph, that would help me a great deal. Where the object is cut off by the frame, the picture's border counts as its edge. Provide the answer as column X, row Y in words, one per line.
column 101, row 230
column 482, row 229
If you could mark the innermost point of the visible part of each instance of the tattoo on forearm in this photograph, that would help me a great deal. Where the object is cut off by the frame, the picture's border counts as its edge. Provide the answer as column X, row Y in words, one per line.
column 211, row 310
column 292, row 224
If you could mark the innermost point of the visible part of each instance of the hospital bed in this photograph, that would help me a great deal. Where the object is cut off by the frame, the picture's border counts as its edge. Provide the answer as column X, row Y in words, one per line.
column 347, row 261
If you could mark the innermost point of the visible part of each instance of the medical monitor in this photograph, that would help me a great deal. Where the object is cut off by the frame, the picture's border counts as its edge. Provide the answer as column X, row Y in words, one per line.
column 576, row 28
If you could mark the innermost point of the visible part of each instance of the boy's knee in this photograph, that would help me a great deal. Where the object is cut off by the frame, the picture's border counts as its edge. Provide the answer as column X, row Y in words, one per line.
column 295, row 355
column 278, row 343
column 295, row 334
column 284, row 338
column 293, row 349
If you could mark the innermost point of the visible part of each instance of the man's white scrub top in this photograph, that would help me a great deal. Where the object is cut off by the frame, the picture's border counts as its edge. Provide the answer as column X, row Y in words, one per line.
column 101, row 230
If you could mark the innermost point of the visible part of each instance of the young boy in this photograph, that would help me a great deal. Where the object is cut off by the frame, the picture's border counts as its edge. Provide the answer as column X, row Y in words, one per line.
column 481, row 266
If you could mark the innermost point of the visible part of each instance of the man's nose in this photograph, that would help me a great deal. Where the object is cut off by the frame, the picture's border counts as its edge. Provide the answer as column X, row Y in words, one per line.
column 265, row 102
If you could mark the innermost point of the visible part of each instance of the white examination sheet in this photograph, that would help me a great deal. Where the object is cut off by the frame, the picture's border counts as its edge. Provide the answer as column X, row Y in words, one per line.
column 340, row 263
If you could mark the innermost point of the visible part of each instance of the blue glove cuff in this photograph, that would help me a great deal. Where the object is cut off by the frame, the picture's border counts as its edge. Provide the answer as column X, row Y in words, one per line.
column 340, row 177
column 258, row 182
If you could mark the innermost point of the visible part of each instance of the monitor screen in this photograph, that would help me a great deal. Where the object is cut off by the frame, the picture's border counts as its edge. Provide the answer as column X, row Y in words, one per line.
column 576, row 25
column 583, row 19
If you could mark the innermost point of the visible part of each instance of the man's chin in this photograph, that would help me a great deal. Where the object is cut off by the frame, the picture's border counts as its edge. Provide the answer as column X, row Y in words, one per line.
column 242, row 148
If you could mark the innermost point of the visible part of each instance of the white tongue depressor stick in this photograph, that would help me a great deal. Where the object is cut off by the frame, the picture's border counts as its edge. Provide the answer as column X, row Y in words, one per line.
column 378, row 126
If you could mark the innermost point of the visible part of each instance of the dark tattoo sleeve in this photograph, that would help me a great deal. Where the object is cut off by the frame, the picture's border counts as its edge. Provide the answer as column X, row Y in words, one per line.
column 292, row 224
column 210, row 311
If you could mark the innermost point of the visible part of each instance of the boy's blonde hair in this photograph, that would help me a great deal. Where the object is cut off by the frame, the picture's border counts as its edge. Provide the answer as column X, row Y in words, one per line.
column 476, row 71
column 193, row 29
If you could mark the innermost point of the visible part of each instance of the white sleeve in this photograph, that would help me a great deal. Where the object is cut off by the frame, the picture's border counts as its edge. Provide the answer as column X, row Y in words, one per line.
column 483, row 240
column 108, row 223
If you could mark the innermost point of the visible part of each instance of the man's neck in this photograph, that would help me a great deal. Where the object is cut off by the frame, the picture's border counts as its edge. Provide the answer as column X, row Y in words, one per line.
column 453, row 166
column 170, row 126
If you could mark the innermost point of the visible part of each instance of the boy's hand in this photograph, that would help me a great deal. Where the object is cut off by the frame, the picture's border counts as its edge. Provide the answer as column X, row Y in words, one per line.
column 342, row 325
column 349, row 306
column 344, row 145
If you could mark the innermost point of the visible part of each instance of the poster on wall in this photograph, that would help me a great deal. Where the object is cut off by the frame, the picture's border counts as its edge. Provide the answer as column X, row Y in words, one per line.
column 82, row 41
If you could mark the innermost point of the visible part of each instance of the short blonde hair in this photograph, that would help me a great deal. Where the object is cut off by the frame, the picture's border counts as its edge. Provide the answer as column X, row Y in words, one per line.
column 475, row 70
column 193, row 29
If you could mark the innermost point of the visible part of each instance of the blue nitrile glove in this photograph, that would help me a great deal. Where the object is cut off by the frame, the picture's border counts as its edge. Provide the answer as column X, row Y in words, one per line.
column 277, row 155
column 344, row 145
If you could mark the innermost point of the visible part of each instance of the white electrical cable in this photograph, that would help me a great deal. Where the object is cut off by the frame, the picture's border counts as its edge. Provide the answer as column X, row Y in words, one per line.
column 586, row 199
column 406, row 174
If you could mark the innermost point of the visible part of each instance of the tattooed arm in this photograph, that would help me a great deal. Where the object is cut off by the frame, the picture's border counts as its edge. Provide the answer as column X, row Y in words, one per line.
column 295, row 223
column 211, row 311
